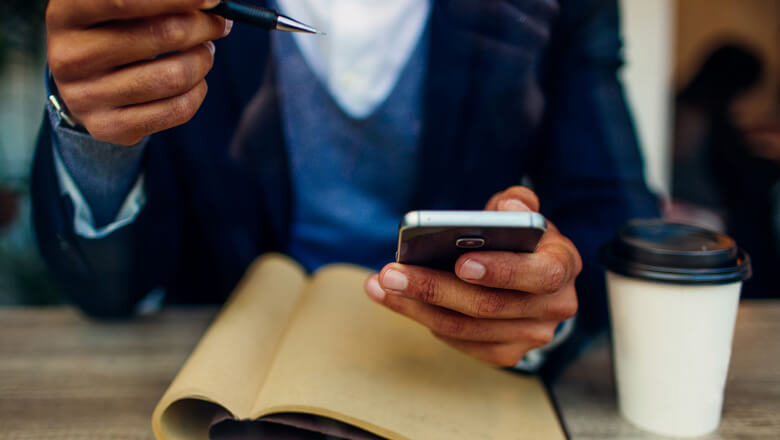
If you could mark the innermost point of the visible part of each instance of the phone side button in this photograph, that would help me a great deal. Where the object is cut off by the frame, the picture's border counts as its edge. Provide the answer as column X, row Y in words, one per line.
column 470, row 242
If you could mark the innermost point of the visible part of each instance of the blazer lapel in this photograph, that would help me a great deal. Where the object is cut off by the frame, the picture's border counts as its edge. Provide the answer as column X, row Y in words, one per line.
column 258, row 150
column 446, row 108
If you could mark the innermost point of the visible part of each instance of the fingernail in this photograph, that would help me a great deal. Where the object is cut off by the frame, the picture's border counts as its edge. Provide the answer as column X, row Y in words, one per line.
column 210, row 46
column 395, row 280
column 208, row 4
column 514, row 205
column 228, row 27
column 375, row 291
column 471, row 270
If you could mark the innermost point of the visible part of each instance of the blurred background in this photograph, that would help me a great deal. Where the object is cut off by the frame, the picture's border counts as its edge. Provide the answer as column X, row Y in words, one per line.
column 702, row 78
column 22, row 96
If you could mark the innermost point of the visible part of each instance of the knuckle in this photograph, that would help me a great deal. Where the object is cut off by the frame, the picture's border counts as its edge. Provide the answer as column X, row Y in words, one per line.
column 62, row 61
column 505, row 273
column 130, row 89
column 170, row 31
column 563, row 309
column 98, row 128
column 175, row 77
column 191, row 103
column 116, row 126
column 117, row 6
column 77, row 101
column 524, row 307
column 108, row 129
column 574, row 257
column 182, row 109
column 489, row 304
column 577, row 262
column 553, row 276
column 427, row 290
column 542, row 336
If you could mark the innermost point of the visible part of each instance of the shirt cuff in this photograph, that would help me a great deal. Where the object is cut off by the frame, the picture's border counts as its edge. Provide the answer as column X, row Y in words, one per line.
column 533, row 361
column 83, row 221
column 103, row 173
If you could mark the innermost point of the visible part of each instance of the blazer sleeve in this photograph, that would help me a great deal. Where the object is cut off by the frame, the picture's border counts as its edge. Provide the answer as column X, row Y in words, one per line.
column 106, row 277
column 589, row 174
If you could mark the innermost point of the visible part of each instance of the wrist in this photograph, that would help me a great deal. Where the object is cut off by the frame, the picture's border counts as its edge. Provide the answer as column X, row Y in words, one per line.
column 59, row 107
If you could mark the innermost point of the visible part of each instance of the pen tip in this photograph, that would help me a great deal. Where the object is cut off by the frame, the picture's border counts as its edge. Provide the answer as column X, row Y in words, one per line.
column 287, row 24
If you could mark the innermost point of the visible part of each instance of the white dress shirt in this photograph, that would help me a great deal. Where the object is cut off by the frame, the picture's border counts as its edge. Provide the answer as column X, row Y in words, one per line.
column 368, row 43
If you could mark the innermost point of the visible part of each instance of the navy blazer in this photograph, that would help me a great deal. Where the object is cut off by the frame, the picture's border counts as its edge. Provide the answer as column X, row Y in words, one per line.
column 548, row 107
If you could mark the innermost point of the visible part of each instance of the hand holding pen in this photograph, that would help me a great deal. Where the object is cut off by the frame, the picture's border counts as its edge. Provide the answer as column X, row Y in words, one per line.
column 124, row 70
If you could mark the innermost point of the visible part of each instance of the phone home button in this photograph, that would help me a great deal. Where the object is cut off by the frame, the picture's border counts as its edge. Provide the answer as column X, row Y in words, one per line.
column 470, row 242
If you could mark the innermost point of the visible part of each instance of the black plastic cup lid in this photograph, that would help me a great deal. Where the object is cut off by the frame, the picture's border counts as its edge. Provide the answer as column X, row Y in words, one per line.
column 657, row 250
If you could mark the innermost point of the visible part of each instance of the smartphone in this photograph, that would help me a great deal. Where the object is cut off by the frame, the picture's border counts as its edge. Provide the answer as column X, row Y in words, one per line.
column 436, row 239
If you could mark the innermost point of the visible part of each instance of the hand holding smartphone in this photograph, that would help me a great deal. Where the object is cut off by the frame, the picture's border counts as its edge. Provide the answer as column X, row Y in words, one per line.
column 495, row 305
column 436, row 239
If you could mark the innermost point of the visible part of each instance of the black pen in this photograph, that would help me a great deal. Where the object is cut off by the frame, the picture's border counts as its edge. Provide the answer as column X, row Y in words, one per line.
column 261, row 17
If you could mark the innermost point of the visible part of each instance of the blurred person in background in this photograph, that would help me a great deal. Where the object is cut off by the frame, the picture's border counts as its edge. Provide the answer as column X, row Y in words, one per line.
column 724, row 175
column 763, row 138
column 317, row 146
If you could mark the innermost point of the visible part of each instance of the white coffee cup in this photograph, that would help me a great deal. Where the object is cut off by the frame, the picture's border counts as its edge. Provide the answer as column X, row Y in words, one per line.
column 673, row 297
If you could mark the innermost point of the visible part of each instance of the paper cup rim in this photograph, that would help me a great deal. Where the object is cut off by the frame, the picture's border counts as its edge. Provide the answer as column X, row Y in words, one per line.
column 740, row 271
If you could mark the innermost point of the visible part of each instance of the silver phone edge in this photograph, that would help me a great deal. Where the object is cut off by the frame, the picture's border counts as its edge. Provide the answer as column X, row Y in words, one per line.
column 493, row 219
column 414, row 219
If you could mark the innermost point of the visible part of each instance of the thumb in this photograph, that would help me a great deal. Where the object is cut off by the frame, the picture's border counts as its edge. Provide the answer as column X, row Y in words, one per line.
column 513, row 205
column 516, row 198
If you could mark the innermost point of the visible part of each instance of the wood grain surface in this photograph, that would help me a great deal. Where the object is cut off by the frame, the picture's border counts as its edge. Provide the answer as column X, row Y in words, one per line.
column 751, row 408
column 65, row 377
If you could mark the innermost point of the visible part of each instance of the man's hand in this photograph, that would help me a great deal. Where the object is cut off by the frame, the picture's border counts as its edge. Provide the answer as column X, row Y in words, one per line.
column 129, row 68
column 498, row 305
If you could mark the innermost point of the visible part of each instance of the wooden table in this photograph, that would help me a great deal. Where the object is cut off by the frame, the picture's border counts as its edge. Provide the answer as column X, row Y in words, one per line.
column 64, row 377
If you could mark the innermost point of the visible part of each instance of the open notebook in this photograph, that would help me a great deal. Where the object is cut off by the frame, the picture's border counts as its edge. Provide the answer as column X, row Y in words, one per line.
column 300, row 355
